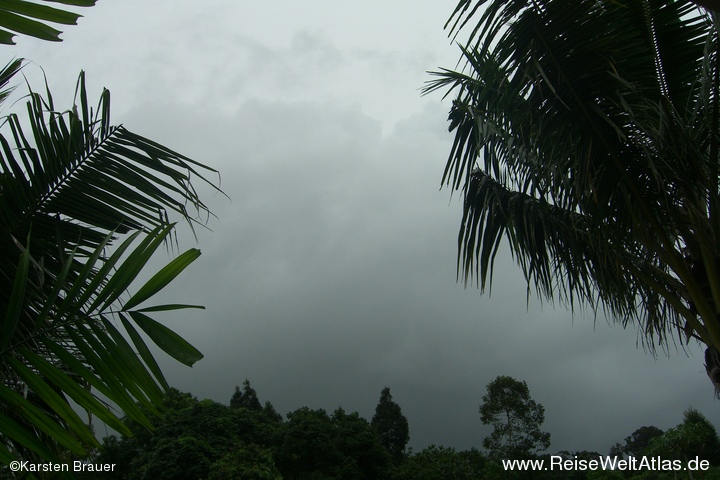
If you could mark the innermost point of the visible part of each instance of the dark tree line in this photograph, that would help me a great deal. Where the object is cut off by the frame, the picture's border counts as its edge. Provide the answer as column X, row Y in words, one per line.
column 206, row 439
column 203, row 439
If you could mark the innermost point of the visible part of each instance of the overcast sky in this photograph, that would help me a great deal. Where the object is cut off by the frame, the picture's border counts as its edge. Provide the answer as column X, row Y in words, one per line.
column 330, row 272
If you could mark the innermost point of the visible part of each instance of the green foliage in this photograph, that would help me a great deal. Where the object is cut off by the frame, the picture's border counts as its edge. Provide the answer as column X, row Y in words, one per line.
column 204, row 439
column 246, row 462
column 308, row 444
column 637, row 442
column 84, row 207
column 695, row 436
column 245, row 399
column 364, row 455
column 271, row 413
column 339, row 446
column 441, row 463
column 391, row 425
column 195, row 439
column 587, row 135
column 27, row 17
column 248, row 399
column 516, row 419
column 127, row 452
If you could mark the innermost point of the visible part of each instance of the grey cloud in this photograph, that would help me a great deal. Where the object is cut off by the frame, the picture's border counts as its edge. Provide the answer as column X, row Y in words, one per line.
column 331, row 275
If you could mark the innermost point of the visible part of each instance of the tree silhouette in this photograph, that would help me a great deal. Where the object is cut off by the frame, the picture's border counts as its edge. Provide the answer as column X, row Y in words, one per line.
column 391, row 425
column 515, row 417
column 247, row 398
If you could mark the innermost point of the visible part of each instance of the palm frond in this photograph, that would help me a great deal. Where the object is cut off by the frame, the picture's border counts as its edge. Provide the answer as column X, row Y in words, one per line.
column 74, row 346
column 76, row 178
column 586, row 133
column 29, row 17
column 84, row 205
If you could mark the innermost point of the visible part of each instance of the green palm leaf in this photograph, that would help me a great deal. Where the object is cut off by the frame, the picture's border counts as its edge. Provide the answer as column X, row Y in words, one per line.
column 586, row 134
column 28, row 17
column 84, row 205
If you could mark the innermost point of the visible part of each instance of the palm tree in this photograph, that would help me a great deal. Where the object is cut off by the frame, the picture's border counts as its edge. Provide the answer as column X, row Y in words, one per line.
column 586, row 134
column 83, row 206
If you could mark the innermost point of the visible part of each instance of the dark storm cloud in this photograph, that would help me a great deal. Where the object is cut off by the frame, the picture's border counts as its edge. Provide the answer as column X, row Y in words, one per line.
column 331, row 274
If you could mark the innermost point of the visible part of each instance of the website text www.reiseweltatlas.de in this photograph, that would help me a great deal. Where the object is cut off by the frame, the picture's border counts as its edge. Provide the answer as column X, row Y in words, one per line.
column 559, row 462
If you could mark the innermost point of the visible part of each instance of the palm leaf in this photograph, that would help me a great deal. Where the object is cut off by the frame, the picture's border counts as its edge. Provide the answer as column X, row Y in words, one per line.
column 28, row 17
column 76, row 348
column 84, row 205
column 586, row 134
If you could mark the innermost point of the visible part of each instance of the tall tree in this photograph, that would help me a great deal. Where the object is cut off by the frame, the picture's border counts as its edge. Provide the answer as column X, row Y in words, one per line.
column 391, row 425
column 247, row 398
column 587, row 134
column 694, row 437
column 515, row 417
column 84, row 205
column 637, row 442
